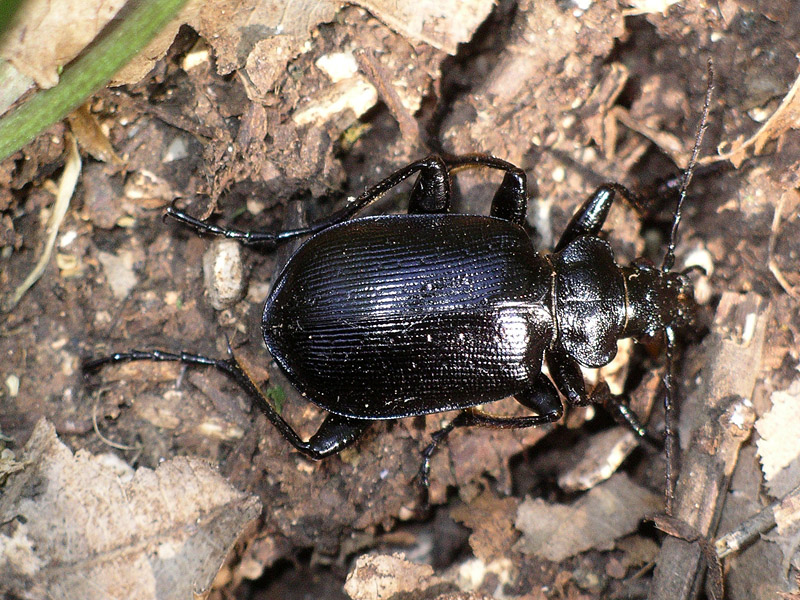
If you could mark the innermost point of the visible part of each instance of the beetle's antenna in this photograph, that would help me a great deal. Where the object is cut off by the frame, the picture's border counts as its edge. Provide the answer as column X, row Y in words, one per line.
column 671, row 429
column 669, row 257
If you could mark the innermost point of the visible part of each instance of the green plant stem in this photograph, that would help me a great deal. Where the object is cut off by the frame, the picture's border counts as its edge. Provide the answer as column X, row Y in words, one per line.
column 133, row 28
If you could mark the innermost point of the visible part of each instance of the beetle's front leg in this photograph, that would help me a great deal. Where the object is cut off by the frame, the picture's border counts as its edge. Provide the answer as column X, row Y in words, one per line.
column 618, row 408
column 590, row 217
column 566, row 373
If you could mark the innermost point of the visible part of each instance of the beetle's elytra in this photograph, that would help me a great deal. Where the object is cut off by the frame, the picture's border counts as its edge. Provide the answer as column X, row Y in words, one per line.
column 387, row 317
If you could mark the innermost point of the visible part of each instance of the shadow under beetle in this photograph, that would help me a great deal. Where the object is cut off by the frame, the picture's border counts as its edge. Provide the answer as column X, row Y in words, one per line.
column 386, row 317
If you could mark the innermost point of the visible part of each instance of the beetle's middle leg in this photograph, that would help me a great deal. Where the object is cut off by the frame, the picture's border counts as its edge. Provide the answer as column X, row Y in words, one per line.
column 432, row 191
column 434, row 180
column 540, row 397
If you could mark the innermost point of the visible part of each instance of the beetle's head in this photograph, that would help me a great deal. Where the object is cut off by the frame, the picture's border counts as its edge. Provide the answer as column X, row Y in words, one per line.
column 682, row 309
column 658, row 300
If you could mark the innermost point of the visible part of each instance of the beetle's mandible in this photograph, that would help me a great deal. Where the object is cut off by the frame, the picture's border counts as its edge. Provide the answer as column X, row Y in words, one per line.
column 387, row 317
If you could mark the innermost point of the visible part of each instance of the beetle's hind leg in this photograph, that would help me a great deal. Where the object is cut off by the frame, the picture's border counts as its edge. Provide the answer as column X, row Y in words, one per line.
column 540, row 397
column 431, row 194
column 510, row 202
column 335, row 433
column 432, row 191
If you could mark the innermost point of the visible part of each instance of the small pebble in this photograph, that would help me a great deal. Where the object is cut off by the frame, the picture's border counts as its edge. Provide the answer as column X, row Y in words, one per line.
column 224, row 273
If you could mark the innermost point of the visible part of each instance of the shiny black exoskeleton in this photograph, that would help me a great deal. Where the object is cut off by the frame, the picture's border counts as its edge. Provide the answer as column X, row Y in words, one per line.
column 394, row 316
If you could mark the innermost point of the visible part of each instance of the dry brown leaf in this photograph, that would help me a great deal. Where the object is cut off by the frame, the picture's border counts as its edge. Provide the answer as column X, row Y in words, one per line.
column 779, row 442
column 441, row 23
column 606, row 452
column 85, row 526
column 274, row 32
column 386, row 575
column 67, row 25
column 492, row 522
column 143, row 63
column 14, row 84
column 606, row 513
column 261, row 36
column 782, row 120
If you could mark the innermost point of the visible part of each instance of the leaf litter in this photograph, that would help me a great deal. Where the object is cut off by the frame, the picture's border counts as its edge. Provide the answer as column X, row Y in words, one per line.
column 72, row 518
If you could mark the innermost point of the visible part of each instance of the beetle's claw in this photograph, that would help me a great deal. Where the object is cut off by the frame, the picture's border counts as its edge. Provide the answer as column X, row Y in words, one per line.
column 173, row 212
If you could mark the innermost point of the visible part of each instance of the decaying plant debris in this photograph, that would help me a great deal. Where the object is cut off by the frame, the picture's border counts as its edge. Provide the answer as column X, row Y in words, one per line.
column 258, row 111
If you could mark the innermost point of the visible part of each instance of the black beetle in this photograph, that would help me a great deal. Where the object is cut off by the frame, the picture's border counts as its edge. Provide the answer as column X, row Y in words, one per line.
column 387, row 317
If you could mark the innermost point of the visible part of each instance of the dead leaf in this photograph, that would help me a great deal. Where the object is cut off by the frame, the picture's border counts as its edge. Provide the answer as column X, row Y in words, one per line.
column 607, row 450
column 386, row 575
column 492, row 522
column 597, row 520
column 441, row 23
column 779, row 443
column 13, row 84
column 84, row 526
column 8, row 463
column 284, row 28
column 67, row 25
column 143, row 63
column 260, row 36
column 782, row 120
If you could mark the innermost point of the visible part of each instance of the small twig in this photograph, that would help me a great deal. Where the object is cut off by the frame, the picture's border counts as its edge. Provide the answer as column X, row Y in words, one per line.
column 104, row 438
column 66, row 187
column 666, row 142
column 683, row 531
column 773, row 236
column 787, row 510
column 721, row 418
column 376, row 74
